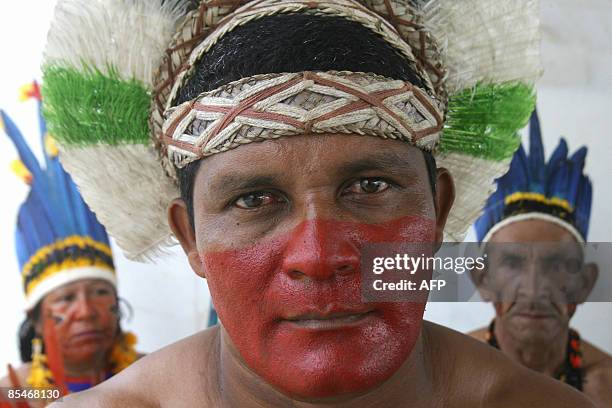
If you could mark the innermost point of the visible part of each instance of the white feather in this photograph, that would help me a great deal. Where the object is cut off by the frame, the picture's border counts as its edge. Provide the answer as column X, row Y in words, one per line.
column 129, row 192
column 474, row 182
column 488, row 41
column 129, row 36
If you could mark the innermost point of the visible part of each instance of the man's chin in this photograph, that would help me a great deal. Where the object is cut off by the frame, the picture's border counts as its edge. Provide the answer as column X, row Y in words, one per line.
column 333, row 383
column 318, row 371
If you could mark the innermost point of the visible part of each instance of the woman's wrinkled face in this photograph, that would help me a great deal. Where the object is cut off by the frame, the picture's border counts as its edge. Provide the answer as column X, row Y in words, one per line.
column 537, row 272
column 84, row 317
column 279, row 227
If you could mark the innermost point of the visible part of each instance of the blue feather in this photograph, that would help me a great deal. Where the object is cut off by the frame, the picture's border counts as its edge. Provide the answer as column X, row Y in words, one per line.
column 23, row 150
column 576, row 163
column 561, row 177
column 536, row 154
column 53, row 208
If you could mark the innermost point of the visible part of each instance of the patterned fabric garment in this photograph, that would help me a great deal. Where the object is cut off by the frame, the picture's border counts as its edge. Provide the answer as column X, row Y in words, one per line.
column 571, row 371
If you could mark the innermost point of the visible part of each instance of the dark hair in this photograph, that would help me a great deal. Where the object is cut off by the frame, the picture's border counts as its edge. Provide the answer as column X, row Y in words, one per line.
column 26, row 334
column 292, row 43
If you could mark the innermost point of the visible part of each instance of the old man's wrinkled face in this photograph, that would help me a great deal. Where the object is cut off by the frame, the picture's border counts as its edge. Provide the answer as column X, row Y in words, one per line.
column 278, row 230
column 536, row 276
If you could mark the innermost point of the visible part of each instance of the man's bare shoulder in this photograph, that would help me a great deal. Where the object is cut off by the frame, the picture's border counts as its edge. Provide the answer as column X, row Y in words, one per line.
column 479, row 334
column 168, row 377
column 598, row 374
column 487, row 377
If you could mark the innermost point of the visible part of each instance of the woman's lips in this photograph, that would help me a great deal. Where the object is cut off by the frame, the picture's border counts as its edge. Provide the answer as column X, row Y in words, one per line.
column 331, row 321
column 90, row 335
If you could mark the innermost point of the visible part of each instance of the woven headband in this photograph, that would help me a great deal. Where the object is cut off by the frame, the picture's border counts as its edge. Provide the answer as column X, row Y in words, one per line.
column 269, row 106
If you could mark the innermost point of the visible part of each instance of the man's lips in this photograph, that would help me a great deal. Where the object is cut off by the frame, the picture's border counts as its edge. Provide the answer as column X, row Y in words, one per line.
column 331, row 320
column 535, row 315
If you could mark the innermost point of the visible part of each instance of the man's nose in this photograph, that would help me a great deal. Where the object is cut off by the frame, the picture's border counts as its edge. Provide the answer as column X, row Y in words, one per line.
column 320, row 250
column 533, row 285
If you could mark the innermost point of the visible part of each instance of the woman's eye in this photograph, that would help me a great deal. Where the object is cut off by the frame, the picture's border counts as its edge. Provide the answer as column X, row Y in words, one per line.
column 368, row 186
column 256, row 200
column 102, row 292
column 65, row 299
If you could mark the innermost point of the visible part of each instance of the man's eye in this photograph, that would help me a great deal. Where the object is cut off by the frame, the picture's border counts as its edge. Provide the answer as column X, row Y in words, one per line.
column 513, row 262
column 256, row 200
column 367, row 186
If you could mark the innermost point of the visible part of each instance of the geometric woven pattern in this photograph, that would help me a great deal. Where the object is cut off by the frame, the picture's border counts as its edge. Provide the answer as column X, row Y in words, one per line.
column 272, row 105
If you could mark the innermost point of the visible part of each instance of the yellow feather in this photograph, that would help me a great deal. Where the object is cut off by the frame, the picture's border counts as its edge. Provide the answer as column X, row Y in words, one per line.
column 21, row 171
column 51, row 146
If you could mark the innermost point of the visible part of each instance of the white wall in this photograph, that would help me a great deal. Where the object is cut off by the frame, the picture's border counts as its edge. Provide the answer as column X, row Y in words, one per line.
column 170, row 302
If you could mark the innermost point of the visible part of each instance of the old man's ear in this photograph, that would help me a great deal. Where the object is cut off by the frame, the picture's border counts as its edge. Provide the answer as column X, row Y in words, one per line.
column 180, row 224
column 589, row 273
column 482, row 281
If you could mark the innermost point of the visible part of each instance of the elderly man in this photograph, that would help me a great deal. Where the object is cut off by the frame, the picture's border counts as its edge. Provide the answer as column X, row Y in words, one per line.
column 534, row 228
column 299, row 132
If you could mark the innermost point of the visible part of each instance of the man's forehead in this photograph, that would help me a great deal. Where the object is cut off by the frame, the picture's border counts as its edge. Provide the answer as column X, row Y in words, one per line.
column 309, row 155
column 536, row 250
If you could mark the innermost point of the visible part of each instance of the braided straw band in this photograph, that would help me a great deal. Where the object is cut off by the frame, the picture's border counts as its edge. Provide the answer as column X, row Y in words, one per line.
column 273, row 105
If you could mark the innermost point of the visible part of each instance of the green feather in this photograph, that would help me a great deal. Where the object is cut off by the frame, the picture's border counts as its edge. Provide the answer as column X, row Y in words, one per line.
column 85, row 108
column 484, row 121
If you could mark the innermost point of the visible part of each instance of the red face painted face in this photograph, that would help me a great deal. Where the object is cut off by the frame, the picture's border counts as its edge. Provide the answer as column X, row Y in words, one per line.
column 280, row 245
column 85, row 317
column 292, row 306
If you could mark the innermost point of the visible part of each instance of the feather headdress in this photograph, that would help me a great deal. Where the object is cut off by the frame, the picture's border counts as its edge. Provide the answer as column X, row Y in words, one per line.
column 555, row 191
column 58, row 239
column 113, row 69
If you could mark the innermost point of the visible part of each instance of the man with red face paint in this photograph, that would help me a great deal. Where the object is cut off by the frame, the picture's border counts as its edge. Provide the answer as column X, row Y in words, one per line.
column 300, row 132
column 70, row 339
column 535, row 226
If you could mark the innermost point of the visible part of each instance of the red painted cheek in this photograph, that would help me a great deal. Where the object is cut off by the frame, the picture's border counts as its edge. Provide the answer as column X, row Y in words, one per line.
column 314, row 269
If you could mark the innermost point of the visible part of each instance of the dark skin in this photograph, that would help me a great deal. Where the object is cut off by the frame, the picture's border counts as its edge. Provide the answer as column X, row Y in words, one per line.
column 292, row 180
column 535, row 300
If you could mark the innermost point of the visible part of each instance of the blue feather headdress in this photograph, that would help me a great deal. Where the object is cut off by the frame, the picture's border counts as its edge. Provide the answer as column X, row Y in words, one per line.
column 58, row 239
column 557, row 191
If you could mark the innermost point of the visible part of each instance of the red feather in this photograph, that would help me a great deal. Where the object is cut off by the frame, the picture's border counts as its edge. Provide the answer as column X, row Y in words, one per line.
column 14, row 378
column 54, row 356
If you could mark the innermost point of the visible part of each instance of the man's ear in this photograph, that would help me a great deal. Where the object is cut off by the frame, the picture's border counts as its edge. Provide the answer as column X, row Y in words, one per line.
column 481, row 279
column 445, row 196
column 590, row 272
column 178, row 219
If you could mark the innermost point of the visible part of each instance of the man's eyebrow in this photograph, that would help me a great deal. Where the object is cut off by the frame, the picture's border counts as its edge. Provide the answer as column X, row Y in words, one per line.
column 233, row 182
column 392, row 162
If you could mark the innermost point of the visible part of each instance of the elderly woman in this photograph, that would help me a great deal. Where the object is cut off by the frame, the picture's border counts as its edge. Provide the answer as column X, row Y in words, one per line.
column 71, row 338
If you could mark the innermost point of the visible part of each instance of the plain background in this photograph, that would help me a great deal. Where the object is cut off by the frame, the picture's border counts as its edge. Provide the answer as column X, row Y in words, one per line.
column 170, row 302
